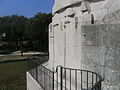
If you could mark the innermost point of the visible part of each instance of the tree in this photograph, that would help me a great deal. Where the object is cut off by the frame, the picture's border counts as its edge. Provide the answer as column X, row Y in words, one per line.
column 19, row 29
column 38, row 30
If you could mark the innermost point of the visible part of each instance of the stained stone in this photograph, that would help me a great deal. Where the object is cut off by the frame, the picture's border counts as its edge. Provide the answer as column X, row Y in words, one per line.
column 85, row 34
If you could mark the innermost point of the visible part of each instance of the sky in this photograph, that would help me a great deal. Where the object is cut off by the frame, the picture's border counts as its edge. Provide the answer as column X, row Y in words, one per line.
column 26, row 8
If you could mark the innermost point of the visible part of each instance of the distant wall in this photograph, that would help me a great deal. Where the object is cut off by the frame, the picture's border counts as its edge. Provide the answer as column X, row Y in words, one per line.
column 101, row 52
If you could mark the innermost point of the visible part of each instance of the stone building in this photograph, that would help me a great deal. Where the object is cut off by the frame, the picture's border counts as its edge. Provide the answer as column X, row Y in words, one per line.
column 85, row 34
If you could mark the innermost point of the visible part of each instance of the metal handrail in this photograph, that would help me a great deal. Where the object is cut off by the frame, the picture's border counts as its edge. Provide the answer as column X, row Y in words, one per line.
column 64, row 78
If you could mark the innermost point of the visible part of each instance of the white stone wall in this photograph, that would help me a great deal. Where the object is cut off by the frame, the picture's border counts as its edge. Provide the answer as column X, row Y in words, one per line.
column 31, row 83
column 64, row 49
column 65, row 31
column 66, row 46
column 101, row 52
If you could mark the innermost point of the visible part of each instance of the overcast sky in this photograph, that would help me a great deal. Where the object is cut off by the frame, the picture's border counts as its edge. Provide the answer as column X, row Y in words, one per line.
column 26, row 8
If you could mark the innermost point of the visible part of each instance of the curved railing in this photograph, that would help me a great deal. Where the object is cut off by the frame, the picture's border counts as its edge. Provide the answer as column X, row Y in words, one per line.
column 64, row 78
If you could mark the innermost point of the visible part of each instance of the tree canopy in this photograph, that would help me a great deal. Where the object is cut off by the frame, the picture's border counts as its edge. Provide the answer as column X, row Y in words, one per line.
column 22, row 33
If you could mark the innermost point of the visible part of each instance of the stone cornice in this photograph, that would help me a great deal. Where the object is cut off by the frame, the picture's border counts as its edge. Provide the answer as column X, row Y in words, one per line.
column 64, row 4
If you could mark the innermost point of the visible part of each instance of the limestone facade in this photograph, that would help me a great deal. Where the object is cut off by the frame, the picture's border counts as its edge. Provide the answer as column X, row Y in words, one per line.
column 80, row 36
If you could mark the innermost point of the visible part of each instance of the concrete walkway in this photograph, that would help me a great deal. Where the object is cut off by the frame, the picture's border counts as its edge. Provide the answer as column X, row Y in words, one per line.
column 24, row 53
column 10, row 61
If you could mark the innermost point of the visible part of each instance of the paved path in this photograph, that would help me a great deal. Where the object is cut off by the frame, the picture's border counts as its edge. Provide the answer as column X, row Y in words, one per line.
column 19, row 53
column 8, row 61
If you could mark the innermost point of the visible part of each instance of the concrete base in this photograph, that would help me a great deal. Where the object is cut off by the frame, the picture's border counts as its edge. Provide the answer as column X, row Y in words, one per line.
column 31, row 83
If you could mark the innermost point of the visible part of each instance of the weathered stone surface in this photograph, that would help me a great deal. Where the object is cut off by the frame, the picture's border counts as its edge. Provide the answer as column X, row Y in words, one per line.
column 101, row 51
column 86, row 35
column 32, row 84
column 112, row 17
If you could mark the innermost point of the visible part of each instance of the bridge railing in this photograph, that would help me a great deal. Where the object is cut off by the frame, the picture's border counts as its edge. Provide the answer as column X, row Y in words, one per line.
column 64, row 78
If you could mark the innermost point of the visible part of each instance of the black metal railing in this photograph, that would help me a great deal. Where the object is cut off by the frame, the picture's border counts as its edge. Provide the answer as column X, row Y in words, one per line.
column 41, row 74
column 64, row 78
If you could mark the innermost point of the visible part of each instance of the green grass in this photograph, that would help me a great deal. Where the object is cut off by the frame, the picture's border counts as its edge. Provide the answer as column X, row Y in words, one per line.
column 13, row 76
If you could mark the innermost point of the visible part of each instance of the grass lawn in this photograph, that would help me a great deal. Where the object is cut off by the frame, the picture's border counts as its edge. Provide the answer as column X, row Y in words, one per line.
column 13, row 76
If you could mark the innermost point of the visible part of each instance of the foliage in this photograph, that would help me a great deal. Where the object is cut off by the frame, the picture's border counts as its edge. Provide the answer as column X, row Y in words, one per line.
column 22, row 33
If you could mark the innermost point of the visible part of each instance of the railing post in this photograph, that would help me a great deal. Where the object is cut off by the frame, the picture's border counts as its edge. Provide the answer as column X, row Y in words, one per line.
column 57, row 78
column 53, row 81
column 81, row 80
column 65, row 78
column 36, row 73
column 100, row 85
column 87, row 81
column 61, row 78
column 75, row 79
column 70, row 79
column 44, row 78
